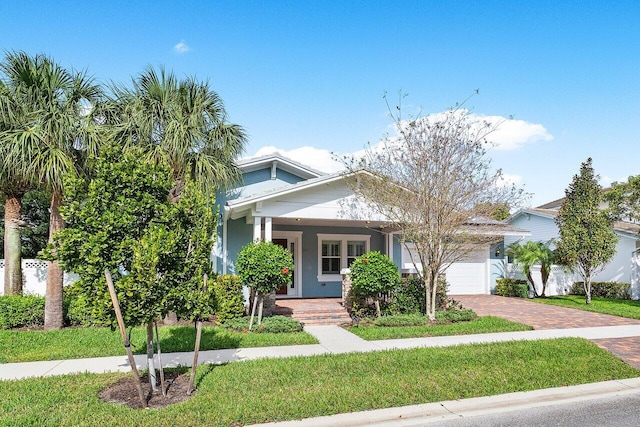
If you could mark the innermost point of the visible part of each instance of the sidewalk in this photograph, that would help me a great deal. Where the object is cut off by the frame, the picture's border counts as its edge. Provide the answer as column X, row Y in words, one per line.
column 332, row 340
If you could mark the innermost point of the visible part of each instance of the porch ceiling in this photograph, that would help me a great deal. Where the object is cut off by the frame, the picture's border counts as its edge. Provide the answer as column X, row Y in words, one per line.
column 375, row 225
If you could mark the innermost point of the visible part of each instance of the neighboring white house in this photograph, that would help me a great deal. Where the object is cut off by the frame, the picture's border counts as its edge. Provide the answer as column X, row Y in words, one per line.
column 541, row 223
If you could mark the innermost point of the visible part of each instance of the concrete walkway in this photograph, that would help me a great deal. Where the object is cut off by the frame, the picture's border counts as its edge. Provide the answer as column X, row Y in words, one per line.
column 332, row 340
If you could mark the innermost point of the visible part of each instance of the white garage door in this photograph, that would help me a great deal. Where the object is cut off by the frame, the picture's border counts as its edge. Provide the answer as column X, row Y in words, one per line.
column 469, row 277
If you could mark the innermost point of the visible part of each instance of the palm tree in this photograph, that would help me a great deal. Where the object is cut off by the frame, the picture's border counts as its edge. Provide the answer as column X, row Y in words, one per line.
column 13, row 185
column 52, row 137
column 182, row 122
column 530, row 254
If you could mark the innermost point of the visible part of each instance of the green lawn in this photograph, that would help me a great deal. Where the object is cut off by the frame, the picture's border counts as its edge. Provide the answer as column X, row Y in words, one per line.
column 481, row 325
column 622, row 308
column 73, row 343
column 282, row 389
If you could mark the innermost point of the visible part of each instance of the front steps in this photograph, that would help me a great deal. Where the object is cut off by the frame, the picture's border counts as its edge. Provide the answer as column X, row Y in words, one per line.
column 317, row 311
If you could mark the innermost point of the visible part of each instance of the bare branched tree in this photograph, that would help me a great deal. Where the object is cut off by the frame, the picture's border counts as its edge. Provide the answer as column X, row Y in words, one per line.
column 434, row 183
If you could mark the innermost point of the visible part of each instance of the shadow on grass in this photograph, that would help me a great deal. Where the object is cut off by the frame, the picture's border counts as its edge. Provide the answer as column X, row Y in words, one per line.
column 183, row 338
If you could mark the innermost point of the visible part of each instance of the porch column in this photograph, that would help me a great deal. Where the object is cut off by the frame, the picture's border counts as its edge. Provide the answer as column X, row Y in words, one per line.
column 267, row 229
column 257, row 228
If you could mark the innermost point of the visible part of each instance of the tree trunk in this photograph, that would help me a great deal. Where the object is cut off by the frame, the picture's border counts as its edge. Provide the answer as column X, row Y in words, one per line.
column 53, row 303
column 153, row 379
column 12, row 246
column 260, row 308
column 533, row 286
column 587, row 288
column 253, row 309
column 377, row 303
column 544, row 273
column 429, row 284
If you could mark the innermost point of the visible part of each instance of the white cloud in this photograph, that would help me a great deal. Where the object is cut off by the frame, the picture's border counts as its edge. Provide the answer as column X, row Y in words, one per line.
column 511, row 134
column 509, row 179
column 316, row 158
column 181, row 47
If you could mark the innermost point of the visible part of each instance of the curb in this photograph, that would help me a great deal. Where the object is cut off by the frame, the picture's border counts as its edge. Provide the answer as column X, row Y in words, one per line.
column 452, row 409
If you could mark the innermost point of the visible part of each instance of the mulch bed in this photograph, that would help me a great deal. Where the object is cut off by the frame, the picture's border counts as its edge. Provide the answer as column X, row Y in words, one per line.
column 124, row 391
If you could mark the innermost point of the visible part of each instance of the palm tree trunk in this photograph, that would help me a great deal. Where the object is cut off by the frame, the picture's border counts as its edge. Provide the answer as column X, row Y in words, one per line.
column 53, row 302
column 12, row 246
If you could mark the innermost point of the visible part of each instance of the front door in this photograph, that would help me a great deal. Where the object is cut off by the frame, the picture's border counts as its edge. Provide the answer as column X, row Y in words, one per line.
column 285, row 244
column 291, row 241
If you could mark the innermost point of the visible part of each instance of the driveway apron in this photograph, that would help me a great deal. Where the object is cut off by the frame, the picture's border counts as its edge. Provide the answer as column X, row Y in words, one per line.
column 543, row 316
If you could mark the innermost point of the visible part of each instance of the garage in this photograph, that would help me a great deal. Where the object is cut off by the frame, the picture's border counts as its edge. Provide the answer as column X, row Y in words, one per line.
column 466, row 277
column 469, row 276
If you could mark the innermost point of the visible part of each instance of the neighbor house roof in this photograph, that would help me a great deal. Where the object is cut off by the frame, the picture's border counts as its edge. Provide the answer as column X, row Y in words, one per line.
column 622, row 227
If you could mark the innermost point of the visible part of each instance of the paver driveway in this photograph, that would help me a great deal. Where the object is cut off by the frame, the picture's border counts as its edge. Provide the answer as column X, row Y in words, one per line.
column 543, row 316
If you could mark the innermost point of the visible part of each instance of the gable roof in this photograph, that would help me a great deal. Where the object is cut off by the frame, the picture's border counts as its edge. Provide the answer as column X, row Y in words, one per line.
column 625, row 228
column 277, row 160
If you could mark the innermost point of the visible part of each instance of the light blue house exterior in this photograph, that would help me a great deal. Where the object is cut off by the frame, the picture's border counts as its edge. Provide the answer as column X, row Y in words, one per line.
column 319, row 220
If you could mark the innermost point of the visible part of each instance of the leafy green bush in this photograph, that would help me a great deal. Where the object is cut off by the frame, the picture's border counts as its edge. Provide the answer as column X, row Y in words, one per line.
column 409, row 296
column 373, row 274
column 264, row 266
column 274, row 324
column 228, row 290
column 77, row 308
column 452, row 316
column 611, row 290
column 508, row 287
column 17, row 311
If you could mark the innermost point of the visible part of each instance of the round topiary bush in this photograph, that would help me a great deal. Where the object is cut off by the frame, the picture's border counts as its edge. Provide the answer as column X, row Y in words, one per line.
column 373, row 274
column 264, row 266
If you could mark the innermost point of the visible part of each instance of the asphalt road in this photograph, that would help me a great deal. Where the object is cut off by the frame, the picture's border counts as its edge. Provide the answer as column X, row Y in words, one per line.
column 612, row 411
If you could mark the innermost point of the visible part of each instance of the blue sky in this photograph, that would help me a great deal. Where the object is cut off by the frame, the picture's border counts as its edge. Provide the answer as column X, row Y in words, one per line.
column 312, row 74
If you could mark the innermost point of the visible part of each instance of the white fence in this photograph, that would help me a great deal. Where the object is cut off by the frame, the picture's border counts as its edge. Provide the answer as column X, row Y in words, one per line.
column 559, row 283
column 34, row 277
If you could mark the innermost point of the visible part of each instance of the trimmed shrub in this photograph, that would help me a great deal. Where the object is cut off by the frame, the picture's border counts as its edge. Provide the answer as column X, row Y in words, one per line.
column 402, row 320
column 611, row 290
column 17, row 311
column 452, row 316
column 228, row 290
column 274, row 324
column 76, row 308
column 265, row 266
column 409, row 297
column 508, row 287
column 373, row 274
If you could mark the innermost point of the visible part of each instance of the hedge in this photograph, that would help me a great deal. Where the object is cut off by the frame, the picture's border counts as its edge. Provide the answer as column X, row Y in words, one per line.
column 17, row 311
column 508, row 287
column 611, row 290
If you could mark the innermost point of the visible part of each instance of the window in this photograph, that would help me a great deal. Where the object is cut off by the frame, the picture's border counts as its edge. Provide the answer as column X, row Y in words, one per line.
column 338, row 251
column 331, row 257
column 354, row 250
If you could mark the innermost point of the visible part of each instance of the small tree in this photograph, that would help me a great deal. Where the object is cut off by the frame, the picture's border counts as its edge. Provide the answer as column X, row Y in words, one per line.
column 264, row 267
column 157, row 251
column 587, row 240
column 373, row 274
column 433, row 182
column 534, row 253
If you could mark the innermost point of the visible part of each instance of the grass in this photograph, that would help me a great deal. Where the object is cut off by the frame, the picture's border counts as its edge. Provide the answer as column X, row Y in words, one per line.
column 615, row 307
column 73, row 343
column 283, row 389
column 480, row 325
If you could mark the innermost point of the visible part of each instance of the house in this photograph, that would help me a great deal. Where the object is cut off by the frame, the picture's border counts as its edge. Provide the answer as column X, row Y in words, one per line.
column 623, row 267
column 317, row 217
